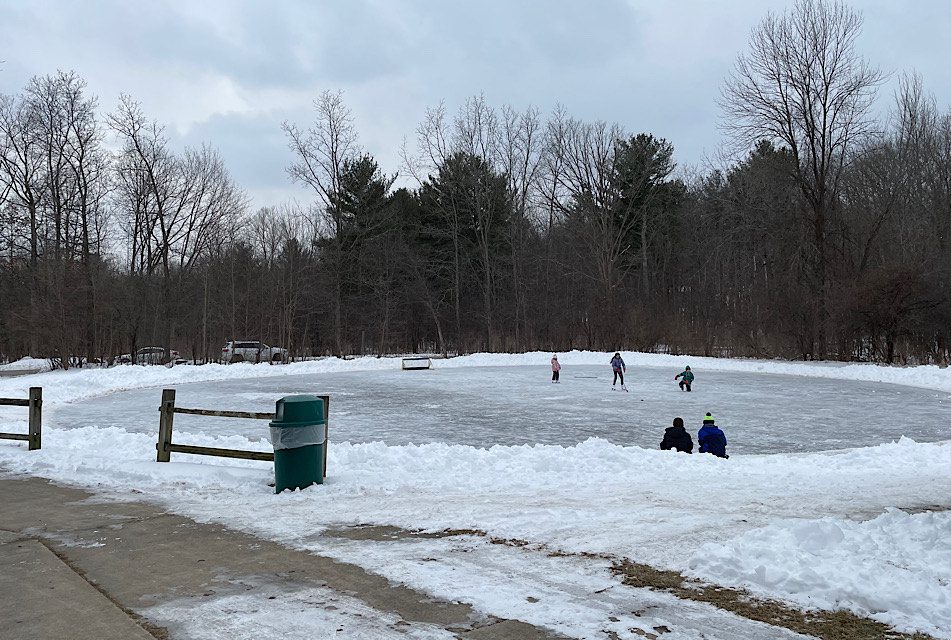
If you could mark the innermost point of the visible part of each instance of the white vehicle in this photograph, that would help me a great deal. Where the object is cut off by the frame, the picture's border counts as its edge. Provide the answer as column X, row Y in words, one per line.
column 251, row 351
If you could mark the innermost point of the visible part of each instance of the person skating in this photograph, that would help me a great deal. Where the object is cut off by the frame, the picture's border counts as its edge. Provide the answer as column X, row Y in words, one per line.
column 619, row 368
column 555, row 368
column 676, row 437
column 711, row 439
column 687, row 376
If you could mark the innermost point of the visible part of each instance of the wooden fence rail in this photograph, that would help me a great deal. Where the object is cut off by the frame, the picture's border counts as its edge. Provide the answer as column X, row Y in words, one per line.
column 166, row 448
column 35, row 411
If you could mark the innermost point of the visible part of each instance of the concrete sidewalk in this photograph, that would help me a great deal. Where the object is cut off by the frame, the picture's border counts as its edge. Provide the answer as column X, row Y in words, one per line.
column 73, row 566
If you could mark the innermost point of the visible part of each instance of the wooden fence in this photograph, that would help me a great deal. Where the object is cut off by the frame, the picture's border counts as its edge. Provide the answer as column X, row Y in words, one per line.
column 167, row 411
column 34, row 406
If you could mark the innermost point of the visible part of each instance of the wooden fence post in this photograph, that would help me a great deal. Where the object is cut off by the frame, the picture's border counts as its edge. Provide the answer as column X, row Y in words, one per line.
column 36, row 418
column 166, row 416
column 326, row 400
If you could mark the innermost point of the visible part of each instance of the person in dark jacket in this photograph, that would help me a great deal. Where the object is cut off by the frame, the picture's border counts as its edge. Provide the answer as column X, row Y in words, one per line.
column 676, row 437
column 711, row 439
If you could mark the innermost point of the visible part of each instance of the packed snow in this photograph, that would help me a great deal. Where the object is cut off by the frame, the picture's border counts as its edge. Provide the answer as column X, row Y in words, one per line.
column 26, row 363
column 276, row 613
column 793, row 514
column 829, row 561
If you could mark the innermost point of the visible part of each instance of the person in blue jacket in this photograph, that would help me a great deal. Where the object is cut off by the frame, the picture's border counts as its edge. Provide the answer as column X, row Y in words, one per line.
column 711, row 438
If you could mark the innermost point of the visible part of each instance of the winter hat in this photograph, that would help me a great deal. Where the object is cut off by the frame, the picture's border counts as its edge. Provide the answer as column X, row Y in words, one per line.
column 688, row 368
column 554, row 356
column 708, row 418
column 678, row 422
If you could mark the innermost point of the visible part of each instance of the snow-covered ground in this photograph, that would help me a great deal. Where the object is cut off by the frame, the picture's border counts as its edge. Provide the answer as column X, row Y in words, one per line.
column 792, row 514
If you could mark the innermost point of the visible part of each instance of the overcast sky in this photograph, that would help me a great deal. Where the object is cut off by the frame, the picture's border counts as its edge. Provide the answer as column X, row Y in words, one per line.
column 229, row 72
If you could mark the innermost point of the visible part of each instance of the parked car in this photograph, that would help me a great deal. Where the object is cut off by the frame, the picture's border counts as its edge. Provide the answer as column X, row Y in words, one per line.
column 149, row 355
column 251, row 351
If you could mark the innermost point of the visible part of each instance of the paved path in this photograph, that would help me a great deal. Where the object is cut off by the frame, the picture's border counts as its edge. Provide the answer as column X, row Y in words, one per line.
column 73, row 566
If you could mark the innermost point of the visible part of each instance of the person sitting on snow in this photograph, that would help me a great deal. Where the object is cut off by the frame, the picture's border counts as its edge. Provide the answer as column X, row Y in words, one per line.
column 676, row 437
column 687, row 379
column 711, row 438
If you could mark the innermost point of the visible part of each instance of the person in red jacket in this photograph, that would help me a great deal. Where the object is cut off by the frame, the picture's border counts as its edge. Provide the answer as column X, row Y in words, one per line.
column 555, row 368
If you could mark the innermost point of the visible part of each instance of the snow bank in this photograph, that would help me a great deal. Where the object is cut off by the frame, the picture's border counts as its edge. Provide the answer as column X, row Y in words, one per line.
column 27, row 363
column 893, row 568
column 730, row 521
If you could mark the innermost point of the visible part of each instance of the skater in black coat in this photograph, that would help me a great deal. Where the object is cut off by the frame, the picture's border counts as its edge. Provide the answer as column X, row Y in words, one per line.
column 676, row 437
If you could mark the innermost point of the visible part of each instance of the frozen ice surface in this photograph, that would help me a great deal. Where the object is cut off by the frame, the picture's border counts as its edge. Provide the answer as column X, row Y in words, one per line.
column 515, row 405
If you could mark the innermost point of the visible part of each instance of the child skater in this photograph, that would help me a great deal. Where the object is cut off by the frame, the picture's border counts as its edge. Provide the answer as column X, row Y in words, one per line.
column 619, row 368
column 555, row 368
column 687, row 379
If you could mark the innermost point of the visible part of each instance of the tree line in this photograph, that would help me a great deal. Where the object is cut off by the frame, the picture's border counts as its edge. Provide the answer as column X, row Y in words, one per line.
column 826, row 237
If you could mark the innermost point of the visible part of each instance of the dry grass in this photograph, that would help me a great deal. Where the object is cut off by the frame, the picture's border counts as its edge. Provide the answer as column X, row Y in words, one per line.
column 828, row 625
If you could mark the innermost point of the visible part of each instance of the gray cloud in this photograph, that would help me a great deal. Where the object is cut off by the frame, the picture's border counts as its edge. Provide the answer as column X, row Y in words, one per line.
column 228, row 72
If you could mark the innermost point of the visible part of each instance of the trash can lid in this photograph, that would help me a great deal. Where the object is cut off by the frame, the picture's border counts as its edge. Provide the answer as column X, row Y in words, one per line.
column 298, row 411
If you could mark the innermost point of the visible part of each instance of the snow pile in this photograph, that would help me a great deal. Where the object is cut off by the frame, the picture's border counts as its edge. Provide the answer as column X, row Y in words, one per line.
column 644, row 504
column 652, row 506
column 893, row 568
column 27, row 363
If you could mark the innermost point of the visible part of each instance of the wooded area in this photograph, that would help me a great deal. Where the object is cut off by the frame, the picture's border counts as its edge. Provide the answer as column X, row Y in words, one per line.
column 827, row 238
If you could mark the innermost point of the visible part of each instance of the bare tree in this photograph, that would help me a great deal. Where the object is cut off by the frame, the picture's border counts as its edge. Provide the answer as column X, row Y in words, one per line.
column 804, row 85
column 22, row 169
column 176, row 207
column 586, row 156
column 321, row 153
column 520, row 150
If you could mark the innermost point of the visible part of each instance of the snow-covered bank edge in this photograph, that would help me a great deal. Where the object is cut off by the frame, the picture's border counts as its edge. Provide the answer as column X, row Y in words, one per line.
column 74, row 385
column 782, row 526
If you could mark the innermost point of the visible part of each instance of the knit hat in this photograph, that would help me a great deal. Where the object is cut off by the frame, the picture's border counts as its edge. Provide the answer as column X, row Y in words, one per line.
column 708, row 418
column 688, row 368
column 678, row 422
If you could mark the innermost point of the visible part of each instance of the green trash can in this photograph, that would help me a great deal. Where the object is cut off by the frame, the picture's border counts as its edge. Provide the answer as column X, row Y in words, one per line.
column 298, row 438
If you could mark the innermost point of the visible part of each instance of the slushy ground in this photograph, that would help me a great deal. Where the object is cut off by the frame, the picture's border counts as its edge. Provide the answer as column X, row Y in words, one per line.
column 516, row 405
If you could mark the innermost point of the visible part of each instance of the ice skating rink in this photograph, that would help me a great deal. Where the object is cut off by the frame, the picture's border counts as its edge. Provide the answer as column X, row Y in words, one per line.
column 518, row 405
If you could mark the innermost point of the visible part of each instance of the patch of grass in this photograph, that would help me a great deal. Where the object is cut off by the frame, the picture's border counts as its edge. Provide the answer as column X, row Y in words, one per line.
column 828, row 625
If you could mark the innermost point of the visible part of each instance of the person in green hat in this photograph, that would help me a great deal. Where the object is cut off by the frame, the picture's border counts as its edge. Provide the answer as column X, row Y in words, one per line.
column 687, row 375
column 711, row 438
